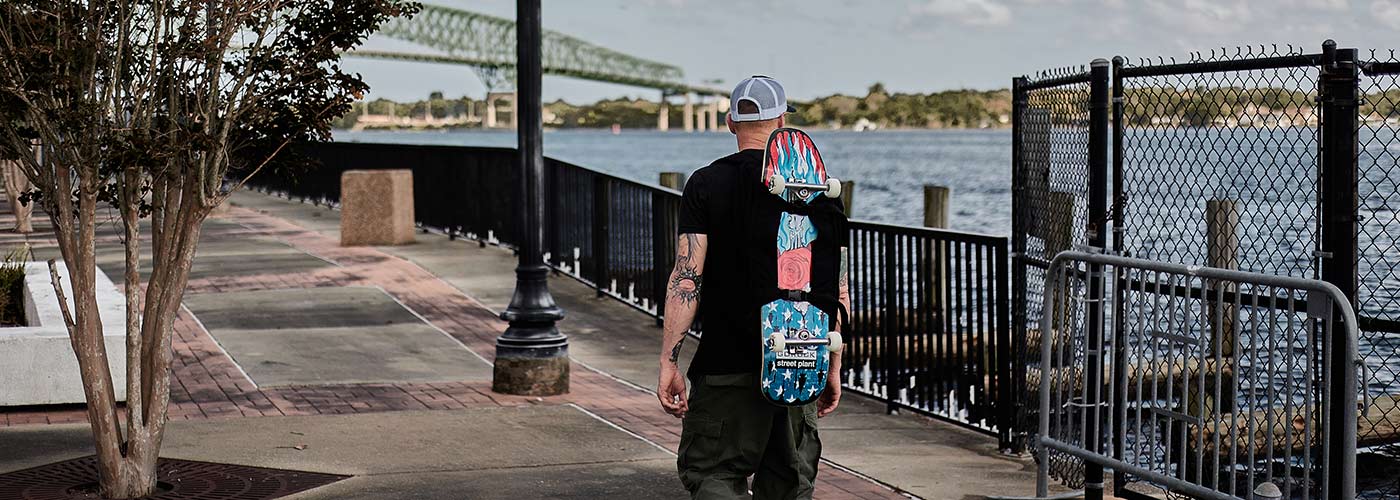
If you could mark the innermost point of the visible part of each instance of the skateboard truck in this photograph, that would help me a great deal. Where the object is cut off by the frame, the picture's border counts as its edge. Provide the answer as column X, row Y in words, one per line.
column 832, row 341
column 777, row 185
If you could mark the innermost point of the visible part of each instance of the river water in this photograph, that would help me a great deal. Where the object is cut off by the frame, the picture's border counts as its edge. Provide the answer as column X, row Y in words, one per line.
column 889, row 167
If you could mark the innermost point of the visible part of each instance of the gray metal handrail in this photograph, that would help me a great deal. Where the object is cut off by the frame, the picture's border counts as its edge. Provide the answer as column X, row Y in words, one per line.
column 1325, row 306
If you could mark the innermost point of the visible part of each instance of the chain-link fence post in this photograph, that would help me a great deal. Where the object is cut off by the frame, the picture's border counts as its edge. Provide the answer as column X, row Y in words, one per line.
column 1097, row 236
column 1120, row 352
column 1017, row 385
column 1338, row 82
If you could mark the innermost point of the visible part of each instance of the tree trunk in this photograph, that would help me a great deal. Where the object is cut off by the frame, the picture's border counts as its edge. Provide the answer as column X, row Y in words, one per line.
column 127, row 463
column 15, row 185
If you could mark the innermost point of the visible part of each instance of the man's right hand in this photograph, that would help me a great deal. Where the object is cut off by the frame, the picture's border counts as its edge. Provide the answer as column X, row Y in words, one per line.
column 671, row 389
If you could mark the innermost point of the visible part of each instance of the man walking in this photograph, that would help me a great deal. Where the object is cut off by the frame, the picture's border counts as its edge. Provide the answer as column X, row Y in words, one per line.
column 724, row 262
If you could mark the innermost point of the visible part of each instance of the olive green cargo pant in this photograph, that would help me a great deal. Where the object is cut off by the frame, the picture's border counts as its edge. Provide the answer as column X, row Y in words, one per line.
column 731, row 432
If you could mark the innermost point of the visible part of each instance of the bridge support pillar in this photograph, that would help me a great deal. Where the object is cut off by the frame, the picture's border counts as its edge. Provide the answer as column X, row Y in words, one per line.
column 688, row 117
column 493, row 101
column 700, row 115
column 714, row 114
column 663, row 114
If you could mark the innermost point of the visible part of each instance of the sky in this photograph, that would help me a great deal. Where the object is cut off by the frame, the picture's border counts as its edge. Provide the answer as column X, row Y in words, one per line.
column 821, row 47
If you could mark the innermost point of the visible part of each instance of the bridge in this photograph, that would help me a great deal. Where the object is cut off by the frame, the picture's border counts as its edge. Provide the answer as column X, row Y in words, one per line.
column 487, row 45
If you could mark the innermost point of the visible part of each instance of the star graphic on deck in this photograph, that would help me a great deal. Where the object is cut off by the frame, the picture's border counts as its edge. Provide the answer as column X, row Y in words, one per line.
column 767, row 324
column 811, row 391
column 787, row 375
column 767, row 382
column 779, row 392
column 787, row 315
column 791, row 399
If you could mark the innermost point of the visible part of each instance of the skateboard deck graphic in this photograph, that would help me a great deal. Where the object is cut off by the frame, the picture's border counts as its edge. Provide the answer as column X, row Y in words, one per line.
column 795, row 366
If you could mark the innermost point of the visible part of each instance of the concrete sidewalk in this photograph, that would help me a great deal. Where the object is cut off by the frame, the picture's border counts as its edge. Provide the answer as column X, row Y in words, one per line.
column 913, row 454
column 283, row 328
column 484, row 453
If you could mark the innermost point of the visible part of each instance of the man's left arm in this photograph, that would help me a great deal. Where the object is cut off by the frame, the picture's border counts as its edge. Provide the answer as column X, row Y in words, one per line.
column 832, row 397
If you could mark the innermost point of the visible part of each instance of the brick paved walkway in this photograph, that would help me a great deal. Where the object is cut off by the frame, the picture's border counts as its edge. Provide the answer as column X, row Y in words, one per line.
column 209, row 384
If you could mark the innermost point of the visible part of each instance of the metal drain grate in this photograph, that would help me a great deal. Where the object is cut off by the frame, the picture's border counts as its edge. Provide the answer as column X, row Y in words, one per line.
column 178, row 479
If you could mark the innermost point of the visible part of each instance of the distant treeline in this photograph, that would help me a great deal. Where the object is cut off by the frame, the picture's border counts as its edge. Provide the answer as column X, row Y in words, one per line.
column 1203, row 106
column 1216, row 106
column 947, row 109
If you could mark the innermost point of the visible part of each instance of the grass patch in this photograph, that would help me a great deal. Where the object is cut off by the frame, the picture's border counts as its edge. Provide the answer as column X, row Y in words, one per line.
column 12, row 287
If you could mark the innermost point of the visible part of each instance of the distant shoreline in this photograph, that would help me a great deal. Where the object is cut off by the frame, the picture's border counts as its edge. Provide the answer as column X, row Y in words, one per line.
column 673, row 130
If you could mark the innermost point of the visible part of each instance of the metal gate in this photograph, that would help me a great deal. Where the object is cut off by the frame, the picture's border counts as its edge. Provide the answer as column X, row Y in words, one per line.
column 1208, row 382
column 1263, row 159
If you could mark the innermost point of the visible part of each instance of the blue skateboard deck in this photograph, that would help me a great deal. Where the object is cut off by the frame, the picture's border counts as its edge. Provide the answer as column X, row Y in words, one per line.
column 795, row 372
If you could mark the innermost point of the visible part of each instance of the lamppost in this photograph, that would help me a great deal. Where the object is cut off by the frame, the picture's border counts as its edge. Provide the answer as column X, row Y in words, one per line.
column 532, row 357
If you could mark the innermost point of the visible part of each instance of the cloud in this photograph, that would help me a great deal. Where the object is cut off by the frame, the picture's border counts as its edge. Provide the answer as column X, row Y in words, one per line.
column 971, row 12
column 1386, row 12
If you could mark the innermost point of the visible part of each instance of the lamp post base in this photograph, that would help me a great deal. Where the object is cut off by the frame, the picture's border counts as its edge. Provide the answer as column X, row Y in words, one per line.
column 532, row 357
column 525, row 372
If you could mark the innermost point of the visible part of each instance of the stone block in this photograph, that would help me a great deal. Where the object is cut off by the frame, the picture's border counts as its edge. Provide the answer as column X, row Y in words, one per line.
column 531, row 376
column 376, row 207
column 37, row 364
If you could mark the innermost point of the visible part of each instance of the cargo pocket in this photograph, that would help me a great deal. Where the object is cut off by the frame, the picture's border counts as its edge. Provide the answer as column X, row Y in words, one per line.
column 809, row 416
column 809, row 443
column 701, row 450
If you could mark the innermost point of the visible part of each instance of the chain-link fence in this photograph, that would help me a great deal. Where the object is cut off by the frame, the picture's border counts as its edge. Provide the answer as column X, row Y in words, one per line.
column 1378, row 255
column 1261, row 159
column 1220, row 167
column 1050, row 182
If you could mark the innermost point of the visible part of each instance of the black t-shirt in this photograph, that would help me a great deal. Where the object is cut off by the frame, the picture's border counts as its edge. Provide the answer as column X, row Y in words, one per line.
column 727, row 202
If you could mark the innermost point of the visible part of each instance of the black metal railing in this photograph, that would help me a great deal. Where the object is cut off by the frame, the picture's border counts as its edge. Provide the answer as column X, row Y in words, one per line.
column 931, row 321
column 929, row 311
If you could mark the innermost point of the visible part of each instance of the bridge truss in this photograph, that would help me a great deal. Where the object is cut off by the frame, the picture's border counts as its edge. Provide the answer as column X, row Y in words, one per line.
column 487, row 44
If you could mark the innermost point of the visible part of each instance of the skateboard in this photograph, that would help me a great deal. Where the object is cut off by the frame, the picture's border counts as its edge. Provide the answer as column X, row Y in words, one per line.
column 797, row 341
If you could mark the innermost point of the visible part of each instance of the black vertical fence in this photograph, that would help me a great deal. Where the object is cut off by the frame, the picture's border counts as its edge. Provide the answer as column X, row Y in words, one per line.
column 1261, row 159
column 930, row 307
column 929, row 311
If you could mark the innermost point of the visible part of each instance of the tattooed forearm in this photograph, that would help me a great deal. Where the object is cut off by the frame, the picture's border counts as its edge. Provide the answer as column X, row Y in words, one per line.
column 686, row 280
column 682, row 295
column 676, row 351
column 686, row 285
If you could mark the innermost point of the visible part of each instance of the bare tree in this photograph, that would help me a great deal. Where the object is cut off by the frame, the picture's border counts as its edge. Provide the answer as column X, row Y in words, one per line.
column 159, row 108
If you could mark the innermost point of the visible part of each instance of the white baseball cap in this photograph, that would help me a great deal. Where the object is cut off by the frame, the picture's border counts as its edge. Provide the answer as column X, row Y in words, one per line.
column 764, row 92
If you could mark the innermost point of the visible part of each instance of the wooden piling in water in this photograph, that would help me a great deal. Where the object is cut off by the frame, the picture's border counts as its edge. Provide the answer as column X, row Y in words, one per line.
column 1057, row 223
column 1222, row 251
column 673, row 180
column 848, row 189
column 936, row 200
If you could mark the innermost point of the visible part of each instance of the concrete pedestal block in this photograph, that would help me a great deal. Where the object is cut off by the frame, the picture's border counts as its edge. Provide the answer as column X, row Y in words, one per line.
column 376, row 207
column 37, row 364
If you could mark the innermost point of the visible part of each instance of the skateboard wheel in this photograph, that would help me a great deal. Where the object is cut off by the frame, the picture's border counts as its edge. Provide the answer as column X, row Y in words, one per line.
column 834, row 343
column 833, row 187
column 778, row 340
column 777, row 184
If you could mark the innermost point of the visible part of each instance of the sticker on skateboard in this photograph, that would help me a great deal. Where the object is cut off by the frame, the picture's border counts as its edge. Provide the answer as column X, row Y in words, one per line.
column 796, row 338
